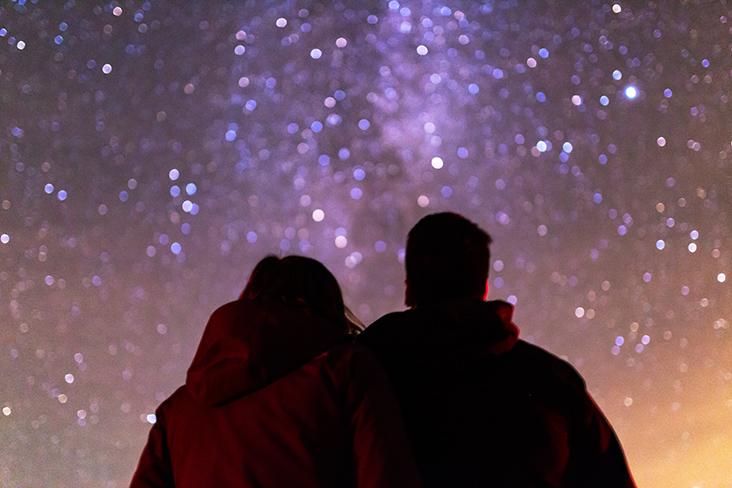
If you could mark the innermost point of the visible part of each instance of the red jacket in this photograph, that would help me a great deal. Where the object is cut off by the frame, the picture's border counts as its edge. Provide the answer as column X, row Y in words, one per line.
column 276, row 398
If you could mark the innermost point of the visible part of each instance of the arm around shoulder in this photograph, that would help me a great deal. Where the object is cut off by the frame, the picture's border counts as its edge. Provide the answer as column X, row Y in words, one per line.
column 385, row 337
column 382, row 455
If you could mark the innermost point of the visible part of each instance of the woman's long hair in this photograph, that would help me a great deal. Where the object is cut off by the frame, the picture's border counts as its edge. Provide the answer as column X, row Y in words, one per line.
column 298, row 280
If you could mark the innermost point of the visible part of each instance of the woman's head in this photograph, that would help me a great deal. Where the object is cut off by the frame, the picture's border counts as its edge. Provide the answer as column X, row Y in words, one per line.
column 297, row 280
column 264, row 271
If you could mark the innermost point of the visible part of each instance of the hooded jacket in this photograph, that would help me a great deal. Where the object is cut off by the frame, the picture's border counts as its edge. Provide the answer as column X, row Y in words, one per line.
column 275, row 397
column 483, row 408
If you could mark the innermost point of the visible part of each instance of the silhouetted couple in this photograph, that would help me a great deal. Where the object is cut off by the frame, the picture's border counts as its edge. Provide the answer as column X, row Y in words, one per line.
column 280, row 394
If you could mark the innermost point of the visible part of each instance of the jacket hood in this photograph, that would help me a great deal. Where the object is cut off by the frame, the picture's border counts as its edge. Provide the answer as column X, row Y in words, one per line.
column 474, row 327
column 249, row 344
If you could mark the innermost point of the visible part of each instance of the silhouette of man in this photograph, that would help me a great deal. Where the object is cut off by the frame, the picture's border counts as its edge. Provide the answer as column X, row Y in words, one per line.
column 481, row 407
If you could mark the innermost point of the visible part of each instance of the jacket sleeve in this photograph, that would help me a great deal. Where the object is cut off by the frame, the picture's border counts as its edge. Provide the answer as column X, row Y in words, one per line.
column 381, row 452
column 599, row 459
column 154, row 469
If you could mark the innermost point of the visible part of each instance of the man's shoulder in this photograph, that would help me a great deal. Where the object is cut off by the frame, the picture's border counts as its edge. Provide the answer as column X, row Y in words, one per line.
column 393, row 318
column 538, row 359
column 389, row 327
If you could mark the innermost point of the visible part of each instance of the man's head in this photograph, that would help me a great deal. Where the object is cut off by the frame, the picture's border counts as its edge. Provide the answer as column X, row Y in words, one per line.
column 447, row 257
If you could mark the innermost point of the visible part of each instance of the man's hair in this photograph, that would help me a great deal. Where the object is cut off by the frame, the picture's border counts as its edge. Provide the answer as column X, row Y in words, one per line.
column 447, row 257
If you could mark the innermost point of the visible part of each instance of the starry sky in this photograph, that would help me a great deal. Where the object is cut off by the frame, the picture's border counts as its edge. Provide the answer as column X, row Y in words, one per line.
column 152, row 151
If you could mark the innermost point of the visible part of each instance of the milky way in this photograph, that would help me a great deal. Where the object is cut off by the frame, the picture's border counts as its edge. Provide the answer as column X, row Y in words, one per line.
column 151, row 153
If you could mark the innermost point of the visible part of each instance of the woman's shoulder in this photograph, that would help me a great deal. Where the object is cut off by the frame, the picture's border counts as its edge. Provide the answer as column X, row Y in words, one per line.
column 173, row 403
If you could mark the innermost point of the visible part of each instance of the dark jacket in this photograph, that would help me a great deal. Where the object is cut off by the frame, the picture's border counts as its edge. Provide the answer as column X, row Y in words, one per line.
column 483, row 408
column 276, row 398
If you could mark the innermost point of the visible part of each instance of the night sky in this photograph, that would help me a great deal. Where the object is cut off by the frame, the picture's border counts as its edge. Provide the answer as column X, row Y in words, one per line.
column 152, row 152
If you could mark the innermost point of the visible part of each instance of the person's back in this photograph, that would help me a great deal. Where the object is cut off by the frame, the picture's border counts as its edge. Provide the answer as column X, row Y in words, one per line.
column 481, row 407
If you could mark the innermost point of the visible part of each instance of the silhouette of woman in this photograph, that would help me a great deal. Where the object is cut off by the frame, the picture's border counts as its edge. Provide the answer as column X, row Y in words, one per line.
column 277, row 395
